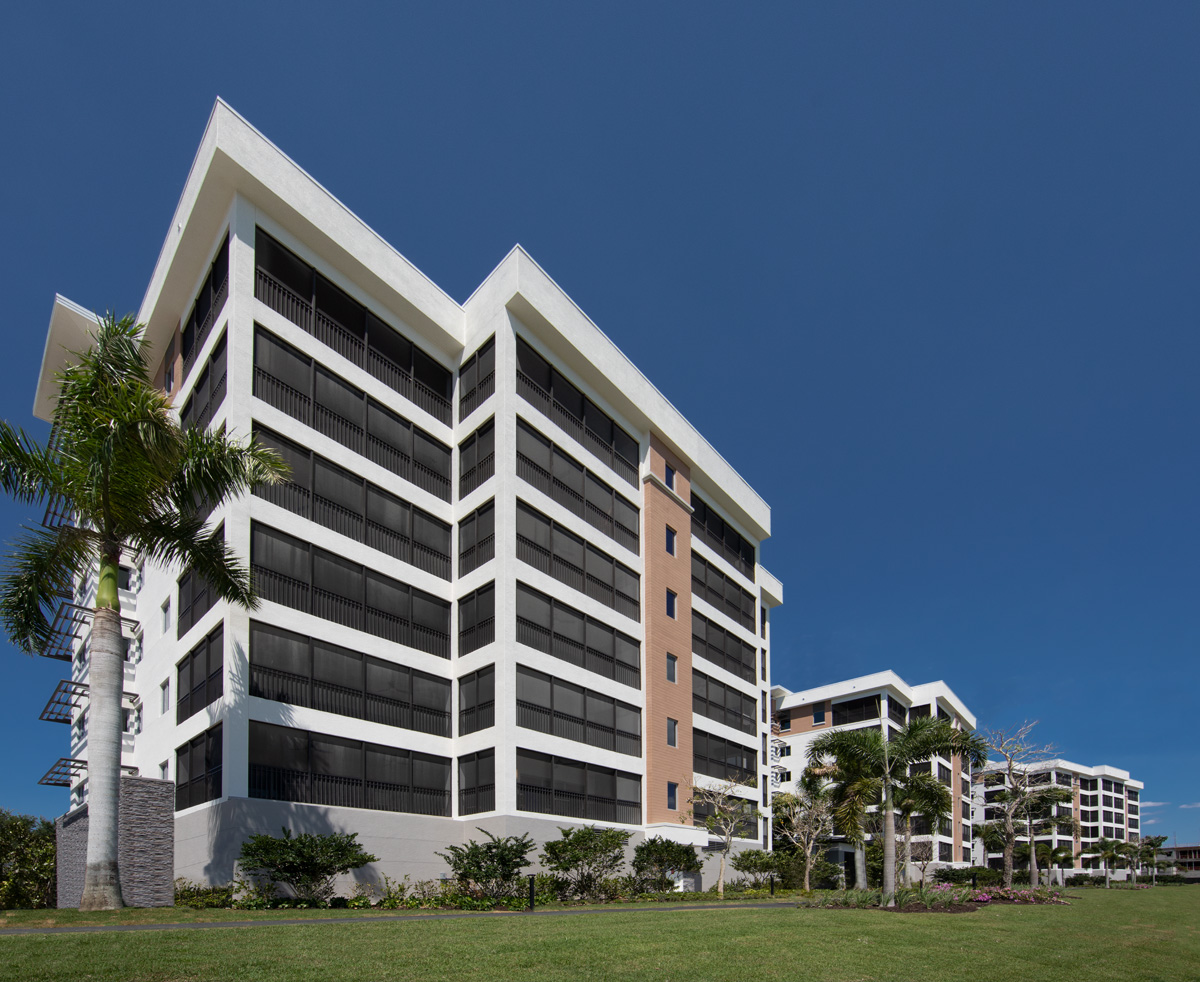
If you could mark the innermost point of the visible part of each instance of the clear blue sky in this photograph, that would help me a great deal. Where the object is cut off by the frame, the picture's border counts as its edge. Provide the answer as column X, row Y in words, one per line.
column 949, row 250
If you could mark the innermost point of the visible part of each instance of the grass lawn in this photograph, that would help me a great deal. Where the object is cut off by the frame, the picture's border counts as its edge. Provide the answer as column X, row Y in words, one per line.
column 1117, row 935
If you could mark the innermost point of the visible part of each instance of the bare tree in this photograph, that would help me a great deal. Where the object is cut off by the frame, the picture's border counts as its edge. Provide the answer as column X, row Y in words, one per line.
column 922, row 855
column 805, row 819
column 726, row 814
column 1023, row 799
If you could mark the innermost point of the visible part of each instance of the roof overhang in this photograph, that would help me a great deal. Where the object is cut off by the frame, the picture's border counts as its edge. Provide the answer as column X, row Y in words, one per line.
column 70, row 331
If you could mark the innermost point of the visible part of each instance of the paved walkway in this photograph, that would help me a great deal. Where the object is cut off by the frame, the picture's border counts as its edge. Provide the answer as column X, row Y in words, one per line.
column 389, row 918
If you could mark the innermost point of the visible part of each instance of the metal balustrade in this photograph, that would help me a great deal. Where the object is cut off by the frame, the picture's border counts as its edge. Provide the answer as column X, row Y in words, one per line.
column 282, row 784
column 306, row 315
column 475, row 556
column 292, row 402
column 475, row 397
column 476, row 718
column 572, row 804
column 471, row 638
column 472, row 478
column 537, row 476
column 478, row 799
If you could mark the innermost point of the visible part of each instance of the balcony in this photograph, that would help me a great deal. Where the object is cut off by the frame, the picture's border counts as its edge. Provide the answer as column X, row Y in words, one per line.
column 352, row 346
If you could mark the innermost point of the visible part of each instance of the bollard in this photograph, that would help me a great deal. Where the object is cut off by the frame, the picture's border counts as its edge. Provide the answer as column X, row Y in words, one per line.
column 974, row 881
column 532, row 889
column 772, row 884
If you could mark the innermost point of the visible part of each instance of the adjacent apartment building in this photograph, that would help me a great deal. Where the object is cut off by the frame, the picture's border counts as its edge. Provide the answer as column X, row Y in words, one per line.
column 886, row 702
column 1106, row 804
column 507, row 586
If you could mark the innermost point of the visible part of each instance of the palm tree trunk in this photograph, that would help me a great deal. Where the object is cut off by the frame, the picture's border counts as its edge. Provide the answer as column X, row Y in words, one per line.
column 889, row 850
column 860, row 865
column 908, row 852
column 1033, row 866
column 106, row 679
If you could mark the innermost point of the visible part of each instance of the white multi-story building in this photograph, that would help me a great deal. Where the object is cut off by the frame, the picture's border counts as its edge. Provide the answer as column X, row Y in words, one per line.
column 1105, row 804
column 886, row 702
column 508, row 585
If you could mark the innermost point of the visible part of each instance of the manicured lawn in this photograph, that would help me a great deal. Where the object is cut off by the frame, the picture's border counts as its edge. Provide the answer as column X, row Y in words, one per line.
column 1118, row 935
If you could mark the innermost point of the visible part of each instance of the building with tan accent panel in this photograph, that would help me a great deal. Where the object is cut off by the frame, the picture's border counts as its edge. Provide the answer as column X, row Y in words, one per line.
column 1105, row 804
column 886, row 702
column 509, row 586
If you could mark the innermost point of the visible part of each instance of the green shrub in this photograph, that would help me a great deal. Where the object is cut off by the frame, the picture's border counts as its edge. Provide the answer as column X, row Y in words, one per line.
column 492, row 868
column 306, row 863
column 583, row 857
column 757, row 865
column 198, row 896
column 961, row 876
column 28, row 853
column 657, row 861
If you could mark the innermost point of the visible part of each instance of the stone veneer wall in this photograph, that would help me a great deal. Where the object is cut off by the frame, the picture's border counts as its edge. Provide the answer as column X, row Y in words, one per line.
column 146, row 848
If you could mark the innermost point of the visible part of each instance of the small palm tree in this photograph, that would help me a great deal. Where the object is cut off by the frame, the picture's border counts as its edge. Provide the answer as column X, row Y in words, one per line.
column 924, row 795
column 131, row 479
column 868, row 757
column 1109, row 852
column 1047, row 854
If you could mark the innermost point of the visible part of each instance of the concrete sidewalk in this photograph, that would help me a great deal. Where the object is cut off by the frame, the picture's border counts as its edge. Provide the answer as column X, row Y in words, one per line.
column 391, row 918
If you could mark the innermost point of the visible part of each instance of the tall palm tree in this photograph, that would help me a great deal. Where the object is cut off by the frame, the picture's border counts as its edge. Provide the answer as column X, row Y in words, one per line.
column 851, row 796
column 924, row 795
column 131, row 479
column 867, row 754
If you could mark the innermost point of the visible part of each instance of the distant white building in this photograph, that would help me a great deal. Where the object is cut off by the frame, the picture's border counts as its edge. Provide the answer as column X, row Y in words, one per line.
column 884, row 701
column 1106, row 803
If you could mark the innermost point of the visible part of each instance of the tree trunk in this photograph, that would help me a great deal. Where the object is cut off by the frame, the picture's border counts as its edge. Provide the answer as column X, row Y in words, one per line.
column 807, row 868
column 860, row 865
column 889, row 850
column 908, row 853
column 106, row 680
column 721, row 877
column 1033, row 866
column 1008, row 861
column 1107, row 876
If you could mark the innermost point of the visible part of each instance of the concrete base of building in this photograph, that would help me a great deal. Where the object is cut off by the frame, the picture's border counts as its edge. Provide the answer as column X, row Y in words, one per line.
column 209, row 837
column 146, row 845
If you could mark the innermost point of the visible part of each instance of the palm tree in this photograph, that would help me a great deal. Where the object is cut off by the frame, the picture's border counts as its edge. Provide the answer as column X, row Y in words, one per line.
column 131, row 479
column 1046, row 853
column 1108, row 851
column 924, row 795
column 851, row 795
column 867, row 755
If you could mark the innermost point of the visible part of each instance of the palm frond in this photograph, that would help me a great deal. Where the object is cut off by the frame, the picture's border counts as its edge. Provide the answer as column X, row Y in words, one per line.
column 29, row 472
column 39, row 574
column 169, row 538
column 215, row 468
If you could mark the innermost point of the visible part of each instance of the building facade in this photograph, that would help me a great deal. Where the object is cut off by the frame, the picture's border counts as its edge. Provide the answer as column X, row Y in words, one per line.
column 886, row 702
column 1105, row 804
column 507, row 585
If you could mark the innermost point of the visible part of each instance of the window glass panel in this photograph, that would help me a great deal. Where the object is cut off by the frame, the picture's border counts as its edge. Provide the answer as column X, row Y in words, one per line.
column 534, row 687
column 338, row 397
column 533, row 606
column 533, row 445
column 338, row 485
column 278, row 552
column 388, row 681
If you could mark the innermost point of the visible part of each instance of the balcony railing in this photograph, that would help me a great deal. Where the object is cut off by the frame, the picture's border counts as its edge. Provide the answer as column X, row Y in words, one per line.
column 535, row 717
column 476, row 718
column 572, row 804
column 480, row 799
column 280, row 784
column 475, row 397
column 303, row 313
column 477, row 636
column 568, row 421
column 475, row 556
column 533, row 473
column 473, row 477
